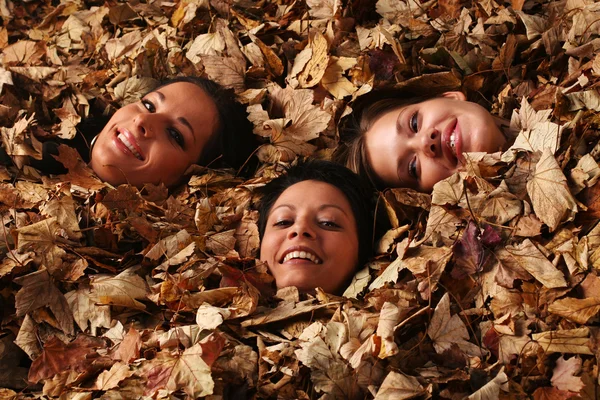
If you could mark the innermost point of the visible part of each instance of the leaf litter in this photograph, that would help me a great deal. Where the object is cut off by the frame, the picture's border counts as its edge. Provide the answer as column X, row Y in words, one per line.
column 487, row 288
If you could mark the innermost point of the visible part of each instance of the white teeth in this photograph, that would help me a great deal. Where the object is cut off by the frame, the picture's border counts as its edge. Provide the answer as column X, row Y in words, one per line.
column 301, row 254
column 127, row 143
column 453, row 143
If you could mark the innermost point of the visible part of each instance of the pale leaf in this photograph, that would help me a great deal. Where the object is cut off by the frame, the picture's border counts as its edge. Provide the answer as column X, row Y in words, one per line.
column 526, row 256
column 563, row 375
column 124, row 289
column 399, row 386
column 491, row 390
column 111, row 378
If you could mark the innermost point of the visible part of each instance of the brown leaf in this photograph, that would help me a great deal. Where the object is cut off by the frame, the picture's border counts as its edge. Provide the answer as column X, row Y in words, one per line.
column 129, row 348
column 85, row 310
column 228, row 71
column 39, row 291
column 58, row 357
column 577, row 310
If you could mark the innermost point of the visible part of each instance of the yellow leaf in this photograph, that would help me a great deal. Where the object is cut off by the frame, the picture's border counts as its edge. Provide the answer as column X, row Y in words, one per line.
column 577, row 310
column 315, row 67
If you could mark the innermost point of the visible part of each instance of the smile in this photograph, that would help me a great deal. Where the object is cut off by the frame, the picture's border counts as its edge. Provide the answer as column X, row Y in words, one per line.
column 302, row 255
column 122, row 136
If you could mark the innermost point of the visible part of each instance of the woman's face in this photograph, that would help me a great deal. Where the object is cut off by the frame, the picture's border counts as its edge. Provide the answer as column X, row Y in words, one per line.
column 418, row 145
column 310, row 239
column 156, row 139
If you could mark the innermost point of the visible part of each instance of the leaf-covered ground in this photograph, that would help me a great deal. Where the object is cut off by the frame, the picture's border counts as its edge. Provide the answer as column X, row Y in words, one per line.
column 486, row 289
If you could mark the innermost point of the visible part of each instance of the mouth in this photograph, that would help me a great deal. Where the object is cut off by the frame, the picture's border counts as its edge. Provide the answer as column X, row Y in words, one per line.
column 452, row 142
column 300, row 254
column 129, row 142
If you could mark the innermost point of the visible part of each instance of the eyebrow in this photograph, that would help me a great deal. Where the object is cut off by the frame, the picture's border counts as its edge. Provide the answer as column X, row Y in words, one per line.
column 321, row 207
column 182, row 120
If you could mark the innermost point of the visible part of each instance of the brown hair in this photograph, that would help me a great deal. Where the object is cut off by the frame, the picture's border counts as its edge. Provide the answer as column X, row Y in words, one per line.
column 352, row 151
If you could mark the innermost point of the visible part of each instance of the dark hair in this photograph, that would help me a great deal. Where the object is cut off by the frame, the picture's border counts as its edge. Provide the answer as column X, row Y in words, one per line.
column 233, row 142
column 366, row 110
column 334, row 174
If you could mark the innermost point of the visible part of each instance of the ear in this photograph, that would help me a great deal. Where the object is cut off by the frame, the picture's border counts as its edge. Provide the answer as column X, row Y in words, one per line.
column 455, row 95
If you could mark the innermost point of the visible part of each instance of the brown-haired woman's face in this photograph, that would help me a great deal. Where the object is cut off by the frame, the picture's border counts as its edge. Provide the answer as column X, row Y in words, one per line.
column 157, row 138
column 310, row 238
column 418, row 145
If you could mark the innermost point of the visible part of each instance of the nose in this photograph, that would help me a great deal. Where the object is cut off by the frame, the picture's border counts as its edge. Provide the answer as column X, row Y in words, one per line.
column 429, row 142
column 145, row 124
column 301, row 228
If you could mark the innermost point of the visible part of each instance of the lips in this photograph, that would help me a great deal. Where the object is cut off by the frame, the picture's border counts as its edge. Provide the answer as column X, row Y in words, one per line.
column 452, row 142
column 300, row 254
column 129, row 143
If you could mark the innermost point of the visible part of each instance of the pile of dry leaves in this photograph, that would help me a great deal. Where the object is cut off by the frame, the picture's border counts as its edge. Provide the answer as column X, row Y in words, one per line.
column 486, row 289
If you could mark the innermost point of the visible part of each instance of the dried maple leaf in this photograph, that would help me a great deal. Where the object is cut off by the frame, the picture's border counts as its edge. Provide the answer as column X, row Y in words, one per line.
column 445, row 330
column 58, row 356
column 527, row 257
column 491, row 390
column 111, row 378
column 172, row 371
column 563, row 375
column 124, row 289
column 86, row 311
column 549, row 193
column 577, row 310
column 39, row 291
column 399, row 386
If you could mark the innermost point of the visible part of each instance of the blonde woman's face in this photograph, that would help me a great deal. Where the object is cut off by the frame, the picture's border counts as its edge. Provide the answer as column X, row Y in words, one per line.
column 418, row 145
column 157, row 138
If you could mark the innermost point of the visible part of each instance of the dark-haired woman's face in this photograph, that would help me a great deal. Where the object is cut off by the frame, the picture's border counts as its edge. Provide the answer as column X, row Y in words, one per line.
column 310, row 239
column 156, row 139
column 418, row 145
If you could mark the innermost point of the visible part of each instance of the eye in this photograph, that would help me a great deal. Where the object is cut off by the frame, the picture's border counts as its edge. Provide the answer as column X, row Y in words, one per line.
column 329, row 224
column 148, row 105
column 282, row 223
column 414, row 122
column 177, row 136
column 412, row 168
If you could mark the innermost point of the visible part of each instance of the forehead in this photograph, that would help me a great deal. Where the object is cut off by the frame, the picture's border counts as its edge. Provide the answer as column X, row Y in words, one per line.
column 189, row 99
column 313, row 194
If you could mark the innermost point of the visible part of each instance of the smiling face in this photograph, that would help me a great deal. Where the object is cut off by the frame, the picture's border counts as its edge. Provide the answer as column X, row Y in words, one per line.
column 418, row 145
column 310, row 238
column 157, row 138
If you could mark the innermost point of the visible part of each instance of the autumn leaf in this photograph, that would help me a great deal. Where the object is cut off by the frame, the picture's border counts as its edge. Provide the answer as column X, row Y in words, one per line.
column 186, row 371
column 399, row 386
column 58, row 356
column 577, row 310
column 124, row 289
column 563, row 374
column 527, row 257
column 37, row 291
column 110, row 379
column 445, row 330
column 550, row 196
